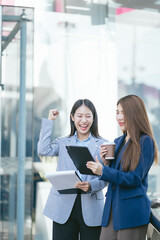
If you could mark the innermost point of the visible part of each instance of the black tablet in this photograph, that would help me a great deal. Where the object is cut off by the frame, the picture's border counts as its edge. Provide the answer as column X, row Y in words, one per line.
column 80, row 156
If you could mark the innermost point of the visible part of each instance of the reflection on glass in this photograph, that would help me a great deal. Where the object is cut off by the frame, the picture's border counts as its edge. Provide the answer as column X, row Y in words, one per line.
column 9, row 120
column 138, row 70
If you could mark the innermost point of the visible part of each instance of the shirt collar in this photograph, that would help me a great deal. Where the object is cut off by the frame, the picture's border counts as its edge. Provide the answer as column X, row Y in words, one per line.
column 86, row 140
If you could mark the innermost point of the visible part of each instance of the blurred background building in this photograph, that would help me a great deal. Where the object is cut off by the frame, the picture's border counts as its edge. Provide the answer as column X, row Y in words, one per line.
column 54, row 52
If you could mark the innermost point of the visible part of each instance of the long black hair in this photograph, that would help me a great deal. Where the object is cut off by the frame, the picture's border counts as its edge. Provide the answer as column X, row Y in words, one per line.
column 89, row 104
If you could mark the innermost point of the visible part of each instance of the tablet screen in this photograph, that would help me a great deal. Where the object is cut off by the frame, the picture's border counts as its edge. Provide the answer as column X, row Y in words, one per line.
column 80, row 155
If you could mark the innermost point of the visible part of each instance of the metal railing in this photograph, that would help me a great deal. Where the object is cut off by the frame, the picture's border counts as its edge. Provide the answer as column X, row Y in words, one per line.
column 154, row 226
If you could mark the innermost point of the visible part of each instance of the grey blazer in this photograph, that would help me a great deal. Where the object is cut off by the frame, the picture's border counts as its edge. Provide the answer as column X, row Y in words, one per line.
column 59, row 206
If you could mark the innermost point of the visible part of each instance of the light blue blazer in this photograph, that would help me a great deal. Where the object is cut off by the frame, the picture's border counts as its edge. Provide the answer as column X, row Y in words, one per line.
column 59, row 206
column 126, row 193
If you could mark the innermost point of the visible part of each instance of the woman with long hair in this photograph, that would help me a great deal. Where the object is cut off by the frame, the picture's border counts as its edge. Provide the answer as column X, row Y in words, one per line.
column 75, row 215
column 127, row 208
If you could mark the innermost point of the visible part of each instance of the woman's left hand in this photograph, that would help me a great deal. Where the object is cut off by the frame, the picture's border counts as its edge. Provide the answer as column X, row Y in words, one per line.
column 84, row 186
column 96, row 167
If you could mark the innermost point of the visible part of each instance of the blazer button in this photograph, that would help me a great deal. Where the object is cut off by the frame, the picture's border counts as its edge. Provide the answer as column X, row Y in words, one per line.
column 113, row 187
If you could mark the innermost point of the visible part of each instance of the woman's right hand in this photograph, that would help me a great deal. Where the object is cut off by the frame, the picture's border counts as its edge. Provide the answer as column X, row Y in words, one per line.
column 103, row 153
column 53, row 114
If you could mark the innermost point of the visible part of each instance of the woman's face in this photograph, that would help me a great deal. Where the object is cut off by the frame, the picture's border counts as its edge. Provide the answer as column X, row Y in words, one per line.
column 83, row 119
column 120, row 118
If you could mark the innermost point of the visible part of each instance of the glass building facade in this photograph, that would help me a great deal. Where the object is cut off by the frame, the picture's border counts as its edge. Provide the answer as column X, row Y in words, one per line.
column 54, row 52
column 16, row 108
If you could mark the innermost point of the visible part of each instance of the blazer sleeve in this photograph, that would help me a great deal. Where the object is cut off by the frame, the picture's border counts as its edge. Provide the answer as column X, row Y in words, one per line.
column 97, row 185
column 45, row 147
column 133, row 178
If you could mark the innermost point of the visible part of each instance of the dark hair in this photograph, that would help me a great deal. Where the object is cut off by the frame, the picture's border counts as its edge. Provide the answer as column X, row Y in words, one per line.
column 89, row 104
column 137, row 122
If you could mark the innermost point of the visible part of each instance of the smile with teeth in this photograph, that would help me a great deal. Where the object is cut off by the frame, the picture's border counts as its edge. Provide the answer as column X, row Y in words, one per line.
column 83, row 127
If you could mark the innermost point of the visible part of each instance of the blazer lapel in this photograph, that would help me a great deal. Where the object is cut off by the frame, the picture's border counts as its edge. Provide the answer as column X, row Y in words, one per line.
column 92, row 145
column 72, row 140
column 116, row 151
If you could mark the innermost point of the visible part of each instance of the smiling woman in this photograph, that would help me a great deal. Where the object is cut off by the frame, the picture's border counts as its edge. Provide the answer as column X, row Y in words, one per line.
column 79, row 213
column 127, row 208
column 84, row 114
column 83, row 119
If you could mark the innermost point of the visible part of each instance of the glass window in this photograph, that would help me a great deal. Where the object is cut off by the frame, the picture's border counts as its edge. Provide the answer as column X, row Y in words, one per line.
column 17, row 34
column 138, row 49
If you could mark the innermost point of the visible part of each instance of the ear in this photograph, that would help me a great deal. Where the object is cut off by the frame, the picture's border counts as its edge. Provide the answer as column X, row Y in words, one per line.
column 72, row 118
